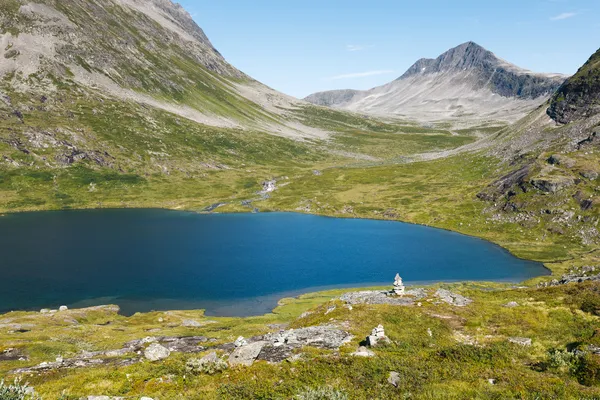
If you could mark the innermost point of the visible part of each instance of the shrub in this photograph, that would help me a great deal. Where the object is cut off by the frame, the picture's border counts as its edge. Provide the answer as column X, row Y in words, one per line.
column 17, row 391
column 322, row 393
column 211, row 364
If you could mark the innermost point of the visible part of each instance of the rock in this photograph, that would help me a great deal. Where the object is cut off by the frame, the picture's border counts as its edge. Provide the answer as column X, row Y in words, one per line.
column 520, row 341
column 363, row 352
column 246, row 355
column 45, row 311
column 586, row 273
column 330, row 310
column 492, row 381
column 429, row 332
column 146, row 398
column 377, row 336
column 552, row 184
column 317, row 172
column 589, row 174
column 156, row 352
column 268, row 186
column 240, row 341
column 382, row 297
column 190, row 323
column 63, row 308
column 394, row 378
column 452, row 298
column 511, row 304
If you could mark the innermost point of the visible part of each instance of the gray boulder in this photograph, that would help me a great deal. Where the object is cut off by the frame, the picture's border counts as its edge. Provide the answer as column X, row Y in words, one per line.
column 245, row 355
column 394, row 378
column 156, row 352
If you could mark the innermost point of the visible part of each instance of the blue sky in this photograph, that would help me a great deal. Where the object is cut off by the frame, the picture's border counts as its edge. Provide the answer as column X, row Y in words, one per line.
column 300, row 47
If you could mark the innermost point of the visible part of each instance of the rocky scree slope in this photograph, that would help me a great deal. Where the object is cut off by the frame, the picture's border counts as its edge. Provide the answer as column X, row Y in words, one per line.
column 467, row 82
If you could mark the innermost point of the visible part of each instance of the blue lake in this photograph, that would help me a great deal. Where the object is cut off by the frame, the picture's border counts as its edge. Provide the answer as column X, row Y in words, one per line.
column 228, row 264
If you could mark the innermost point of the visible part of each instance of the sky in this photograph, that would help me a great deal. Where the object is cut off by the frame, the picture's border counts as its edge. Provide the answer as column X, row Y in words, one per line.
column 301, row 47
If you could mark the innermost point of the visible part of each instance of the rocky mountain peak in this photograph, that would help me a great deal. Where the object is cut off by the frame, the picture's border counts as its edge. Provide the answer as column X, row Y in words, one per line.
column 468, row 55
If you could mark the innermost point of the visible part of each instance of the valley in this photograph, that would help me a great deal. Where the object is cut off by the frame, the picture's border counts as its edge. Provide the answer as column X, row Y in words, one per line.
column 114, row 104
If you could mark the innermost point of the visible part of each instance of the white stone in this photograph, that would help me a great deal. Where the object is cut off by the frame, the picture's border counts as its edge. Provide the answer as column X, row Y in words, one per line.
column 156, row 352
column 45, row 311
column 240, row 341
column 63, row 308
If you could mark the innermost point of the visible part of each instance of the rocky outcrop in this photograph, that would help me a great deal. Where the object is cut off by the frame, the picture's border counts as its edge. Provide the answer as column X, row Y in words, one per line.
column 552, row 184
column 382, row 297
column 577, row 275
column 452, row 298
column 579, row 96
column 153, row 348
column 277, row 347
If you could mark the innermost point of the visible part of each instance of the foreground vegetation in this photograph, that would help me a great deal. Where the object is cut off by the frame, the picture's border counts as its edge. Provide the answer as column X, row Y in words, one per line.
column 438, row 350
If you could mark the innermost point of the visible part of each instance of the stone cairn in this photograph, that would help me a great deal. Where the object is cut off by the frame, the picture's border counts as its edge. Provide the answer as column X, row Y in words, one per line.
column 376, row 336
column 398, row 286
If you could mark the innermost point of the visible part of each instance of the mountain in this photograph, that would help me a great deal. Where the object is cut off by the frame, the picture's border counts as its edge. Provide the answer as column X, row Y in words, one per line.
column 579, row 96
column 467, row 82
column 147, row 52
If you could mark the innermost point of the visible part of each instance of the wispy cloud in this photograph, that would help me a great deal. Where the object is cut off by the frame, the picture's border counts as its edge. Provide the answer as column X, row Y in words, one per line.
column 362, row 74
column 356, row 47
column 562, row 16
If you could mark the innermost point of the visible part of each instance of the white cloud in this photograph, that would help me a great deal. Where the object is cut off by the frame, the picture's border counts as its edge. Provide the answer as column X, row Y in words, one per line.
column 562, row 16
column 362, row 74
column 355, row 47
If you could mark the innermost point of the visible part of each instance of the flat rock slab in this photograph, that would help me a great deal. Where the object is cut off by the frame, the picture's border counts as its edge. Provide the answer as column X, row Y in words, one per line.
column 383, row 297
column 246, row 355
column 453, row 298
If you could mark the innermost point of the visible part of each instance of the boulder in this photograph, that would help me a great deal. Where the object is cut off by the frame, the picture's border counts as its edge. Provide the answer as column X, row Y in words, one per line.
column 511, row 304
column 63, row 308
column 156, row 352
column 394, row 378
column 245, row 355
column 552, row 184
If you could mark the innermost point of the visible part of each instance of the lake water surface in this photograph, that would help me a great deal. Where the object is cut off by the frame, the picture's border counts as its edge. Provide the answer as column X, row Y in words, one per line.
column 228, row 264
